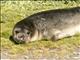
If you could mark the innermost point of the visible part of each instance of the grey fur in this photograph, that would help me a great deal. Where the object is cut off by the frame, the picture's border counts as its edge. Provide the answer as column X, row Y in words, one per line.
column 51, row 24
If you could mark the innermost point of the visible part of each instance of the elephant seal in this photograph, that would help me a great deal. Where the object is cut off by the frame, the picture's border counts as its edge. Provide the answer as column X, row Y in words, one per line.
column 51, row 24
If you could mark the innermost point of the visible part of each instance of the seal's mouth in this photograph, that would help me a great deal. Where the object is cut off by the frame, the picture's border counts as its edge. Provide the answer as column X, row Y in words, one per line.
column 16, row 41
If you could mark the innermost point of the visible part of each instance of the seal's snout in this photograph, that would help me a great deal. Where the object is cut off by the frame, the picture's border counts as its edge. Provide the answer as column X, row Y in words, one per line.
column 20, row 37
column 15, row 40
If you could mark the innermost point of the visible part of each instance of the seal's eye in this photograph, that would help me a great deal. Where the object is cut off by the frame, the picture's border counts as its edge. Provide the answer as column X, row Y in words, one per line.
column 16, row 32
column 28, row 33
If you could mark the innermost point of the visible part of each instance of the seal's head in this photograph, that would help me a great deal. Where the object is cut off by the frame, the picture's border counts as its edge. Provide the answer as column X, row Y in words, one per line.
column 22, row 32
column 21, row 35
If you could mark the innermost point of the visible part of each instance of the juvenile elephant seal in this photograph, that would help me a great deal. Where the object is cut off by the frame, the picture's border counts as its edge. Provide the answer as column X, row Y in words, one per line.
column 51, row 24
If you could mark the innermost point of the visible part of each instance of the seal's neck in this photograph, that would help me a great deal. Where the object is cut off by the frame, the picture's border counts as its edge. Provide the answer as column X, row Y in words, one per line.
column 37, row 36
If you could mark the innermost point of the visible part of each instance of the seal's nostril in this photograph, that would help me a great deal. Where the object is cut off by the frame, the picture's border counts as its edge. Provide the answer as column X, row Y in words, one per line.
column 22, row 36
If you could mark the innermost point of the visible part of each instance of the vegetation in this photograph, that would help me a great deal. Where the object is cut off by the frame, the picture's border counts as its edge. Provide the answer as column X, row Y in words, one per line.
column 14, row 11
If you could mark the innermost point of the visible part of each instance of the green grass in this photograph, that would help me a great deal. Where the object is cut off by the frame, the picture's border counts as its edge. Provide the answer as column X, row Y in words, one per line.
column 14, row 11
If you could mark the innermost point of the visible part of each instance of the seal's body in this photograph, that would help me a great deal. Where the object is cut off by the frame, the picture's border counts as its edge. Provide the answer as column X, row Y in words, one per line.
column 51, row 24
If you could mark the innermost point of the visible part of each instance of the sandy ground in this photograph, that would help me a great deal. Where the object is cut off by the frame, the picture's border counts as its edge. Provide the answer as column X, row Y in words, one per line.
column 73, row 56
